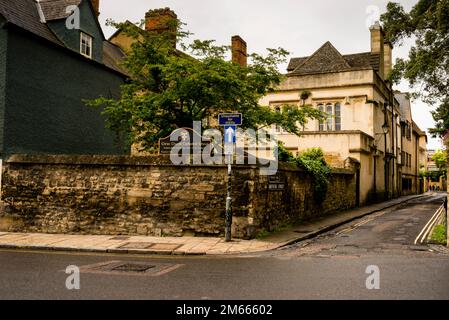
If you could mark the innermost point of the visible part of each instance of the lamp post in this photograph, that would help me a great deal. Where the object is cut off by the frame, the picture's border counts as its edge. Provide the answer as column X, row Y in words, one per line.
column 385, row 131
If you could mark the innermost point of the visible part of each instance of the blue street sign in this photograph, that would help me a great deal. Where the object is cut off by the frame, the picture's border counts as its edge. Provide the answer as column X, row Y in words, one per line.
column 230, row 119
column 230, row 134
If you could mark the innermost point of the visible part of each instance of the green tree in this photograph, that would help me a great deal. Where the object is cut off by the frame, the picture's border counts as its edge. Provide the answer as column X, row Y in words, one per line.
column 169, row 89
column 440, row 158
column 427, row 66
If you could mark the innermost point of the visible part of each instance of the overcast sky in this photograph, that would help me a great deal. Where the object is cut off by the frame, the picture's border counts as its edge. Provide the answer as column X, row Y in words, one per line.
column 299, row 26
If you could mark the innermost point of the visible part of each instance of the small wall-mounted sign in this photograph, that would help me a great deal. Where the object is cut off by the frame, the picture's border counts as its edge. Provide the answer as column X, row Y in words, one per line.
column 276, row 182
column 190, row 138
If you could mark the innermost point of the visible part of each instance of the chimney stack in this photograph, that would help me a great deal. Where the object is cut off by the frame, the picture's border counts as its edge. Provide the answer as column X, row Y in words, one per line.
column 96, row 6
column 388, row 58
column 239, row 51
column 378, row 46
column 161, row 21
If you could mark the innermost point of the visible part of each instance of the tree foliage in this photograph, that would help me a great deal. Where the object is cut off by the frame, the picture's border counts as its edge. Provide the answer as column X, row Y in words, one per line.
column 169, row 89
column 312, row 161
column 440, row 158
column 427, row 66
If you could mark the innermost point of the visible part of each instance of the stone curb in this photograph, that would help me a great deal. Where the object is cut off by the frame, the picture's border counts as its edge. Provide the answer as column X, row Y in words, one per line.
column 202, row 253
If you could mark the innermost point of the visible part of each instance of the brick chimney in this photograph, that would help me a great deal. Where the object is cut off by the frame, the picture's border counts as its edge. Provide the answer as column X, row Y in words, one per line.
column 239, row 51
column 96, row 6
column 160, row 21
column 388, row 58
column 378, row 46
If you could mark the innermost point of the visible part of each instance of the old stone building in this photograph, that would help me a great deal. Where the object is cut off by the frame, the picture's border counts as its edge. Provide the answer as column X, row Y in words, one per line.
column 364, row 116
column 413, row 151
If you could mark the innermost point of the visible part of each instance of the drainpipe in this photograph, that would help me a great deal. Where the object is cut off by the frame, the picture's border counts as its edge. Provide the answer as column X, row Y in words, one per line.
column 393, row 151
column 385, row 155
column 416, row 164
column 375, row 173
column 397, row 155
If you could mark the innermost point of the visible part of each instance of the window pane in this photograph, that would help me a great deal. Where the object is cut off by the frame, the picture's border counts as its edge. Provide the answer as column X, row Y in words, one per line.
column 329, row 121
column 337, row 117
column 278, row 128
column 321, row 108
column 86, row 45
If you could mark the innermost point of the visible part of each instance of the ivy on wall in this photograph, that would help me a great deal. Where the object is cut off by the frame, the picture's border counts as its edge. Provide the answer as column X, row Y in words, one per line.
column 312, row 161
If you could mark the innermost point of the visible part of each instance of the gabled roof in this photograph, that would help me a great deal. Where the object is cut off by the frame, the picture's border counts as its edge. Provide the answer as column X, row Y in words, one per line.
column 328, row 59
column 24, row 14
column 325, row 59
column 57, row 9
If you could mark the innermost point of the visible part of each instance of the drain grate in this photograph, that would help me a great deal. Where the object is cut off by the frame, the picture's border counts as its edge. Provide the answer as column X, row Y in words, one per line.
column 132, row 267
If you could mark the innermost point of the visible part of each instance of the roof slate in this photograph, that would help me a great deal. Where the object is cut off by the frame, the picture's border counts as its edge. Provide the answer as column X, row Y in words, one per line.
column 57, row 9
column 24, row 14
column 113, row 57
column 328, row 59
column 325, row 59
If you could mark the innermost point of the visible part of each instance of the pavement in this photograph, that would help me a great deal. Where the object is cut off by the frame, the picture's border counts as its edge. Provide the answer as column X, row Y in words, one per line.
column 189, row 245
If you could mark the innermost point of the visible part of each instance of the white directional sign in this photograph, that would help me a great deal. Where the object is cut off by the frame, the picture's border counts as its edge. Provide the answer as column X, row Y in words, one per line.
column 230, row 133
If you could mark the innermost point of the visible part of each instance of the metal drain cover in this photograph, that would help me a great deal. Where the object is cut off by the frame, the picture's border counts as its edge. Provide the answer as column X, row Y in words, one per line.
column 130, row 268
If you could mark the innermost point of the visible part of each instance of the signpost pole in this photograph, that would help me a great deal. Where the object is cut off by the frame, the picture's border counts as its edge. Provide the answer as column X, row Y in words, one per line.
column 229, row 121
column 228, row 219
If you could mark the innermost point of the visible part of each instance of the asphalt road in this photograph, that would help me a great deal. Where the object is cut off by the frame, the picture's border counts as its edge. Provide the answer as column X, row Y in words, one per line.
column 332, row 266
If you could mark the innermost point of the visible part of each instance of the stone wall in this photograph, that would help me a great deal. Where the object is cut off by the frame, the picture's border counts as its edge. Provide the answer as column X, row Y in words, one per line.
column 149, row 196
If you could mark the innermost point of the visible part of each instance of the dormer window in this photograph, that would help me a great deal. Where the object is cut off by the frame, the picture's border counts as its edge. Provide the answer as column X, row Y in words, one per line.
column 86, row 45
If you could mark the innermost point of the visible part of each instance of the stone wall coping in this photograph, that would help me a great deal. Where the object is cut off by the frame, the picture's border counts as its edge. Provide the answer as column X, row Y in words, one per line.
column 147, row 161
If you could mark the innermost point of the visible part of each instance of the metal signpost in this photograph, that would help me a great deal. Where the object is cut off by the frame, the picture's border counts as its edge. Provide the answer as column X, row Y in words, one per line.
column 229, row 122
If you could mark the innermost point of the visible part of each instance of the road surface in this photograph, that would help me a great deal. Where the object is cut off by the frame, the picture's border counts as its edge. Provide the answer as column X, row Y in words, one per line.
column 332, row 266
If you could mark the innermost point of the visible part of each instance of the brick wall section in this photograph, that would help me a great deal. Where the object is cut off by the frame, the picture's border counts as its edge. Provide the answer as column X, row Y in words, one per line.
column 149, row 196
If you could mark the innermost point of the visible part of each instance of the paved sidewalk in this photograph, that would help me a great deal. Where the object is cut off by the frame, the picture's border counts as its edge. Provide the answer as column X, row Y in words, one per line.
column 187, row 245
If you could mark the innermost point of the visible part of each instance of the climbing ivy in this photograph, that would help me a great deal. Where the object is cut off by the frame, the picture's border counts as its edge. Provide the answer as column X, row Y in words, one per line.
column 312, row 161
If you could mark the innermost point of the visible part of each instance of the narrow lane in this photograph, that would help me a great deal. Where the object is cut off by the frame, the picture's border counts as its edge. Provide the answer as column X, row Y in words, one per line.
column 392, row 231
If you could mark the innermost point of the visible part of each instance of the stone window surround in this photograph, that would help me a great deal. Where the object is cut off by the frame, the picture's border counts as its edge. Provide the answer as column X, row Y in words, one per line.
column 336, row 120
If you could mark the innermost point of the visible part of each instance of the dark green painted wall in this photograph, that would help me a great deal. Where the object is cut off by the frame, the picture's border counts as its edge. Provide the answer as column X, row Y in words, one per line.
column 3, row 54
column 44, row 108
column 88, row 25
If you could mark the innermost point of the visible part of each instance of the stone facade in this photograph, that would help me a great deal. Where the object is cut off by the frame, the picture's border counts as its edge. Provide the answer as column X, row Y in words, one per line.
column 354, row 92
column 149, row 196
